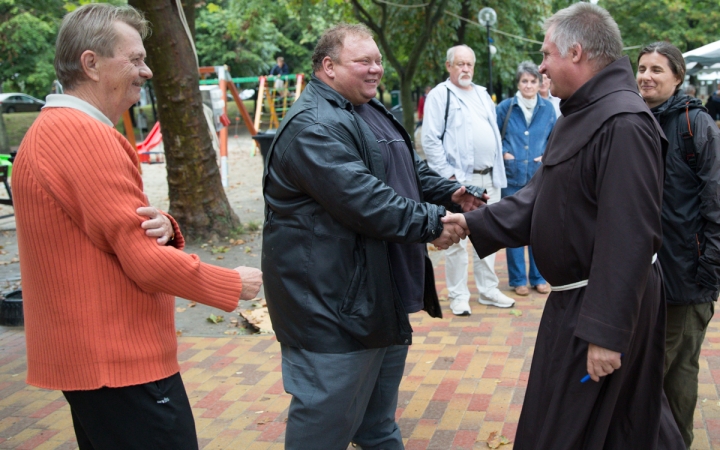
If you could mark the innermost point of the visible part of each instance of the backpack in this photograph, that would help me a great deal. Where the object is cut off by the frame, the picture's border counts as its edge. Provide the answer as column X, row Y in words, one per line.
column 685, row 127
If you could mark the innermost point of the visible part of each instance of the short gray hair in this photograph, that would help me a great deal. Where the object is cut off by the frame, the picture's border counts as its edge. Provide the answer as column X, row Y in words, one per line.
column 331, row 42
column 527, row 67
column 590, row 26
column 90, row 27
column 451, row 53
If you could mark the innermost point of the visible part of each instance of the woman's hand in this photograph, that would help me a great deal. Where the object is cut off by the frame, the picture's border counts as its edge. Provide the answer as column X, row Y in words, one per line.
column 508, row 156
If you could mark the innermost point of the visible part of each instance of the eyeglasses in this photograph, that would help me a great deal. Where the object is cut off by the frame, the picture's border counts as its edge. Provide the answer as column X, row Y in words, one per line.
column 460, row 65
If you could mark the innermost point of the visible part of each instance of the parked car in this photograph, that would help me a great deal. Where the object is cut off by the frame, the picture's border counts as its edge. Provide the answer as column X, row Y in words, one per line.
column 16, row 102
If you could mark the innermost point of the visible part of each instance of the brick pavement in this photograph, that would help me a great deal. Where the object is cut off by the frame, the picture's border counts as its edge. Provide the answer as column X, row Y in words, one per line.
column 465, row 377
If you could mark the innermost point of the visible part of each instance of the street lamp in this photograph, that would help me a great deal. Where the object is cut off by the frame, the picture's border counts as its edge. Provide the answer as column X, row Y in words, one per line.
column 487, row 18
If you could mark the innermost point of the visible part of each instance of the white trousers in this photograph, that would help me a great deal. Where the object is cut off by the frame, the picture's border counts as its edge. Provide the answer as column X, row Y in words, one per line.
column 456, row 257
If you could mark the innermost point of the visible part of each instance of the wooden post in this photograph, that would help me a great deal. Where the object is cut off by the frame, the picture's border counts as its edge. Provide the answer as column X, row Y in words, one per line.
column 224, row 137
column 130, row 134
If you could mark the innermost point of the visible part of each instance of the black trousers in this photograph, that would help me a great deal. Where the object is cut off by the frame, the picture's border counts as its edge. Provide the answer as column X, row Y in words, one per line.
column 150, row 416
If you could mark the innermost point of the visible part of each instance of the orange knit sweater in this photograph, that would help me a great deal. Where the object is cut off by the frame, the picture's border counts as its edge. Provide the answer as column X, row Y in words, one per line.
column 98, row 294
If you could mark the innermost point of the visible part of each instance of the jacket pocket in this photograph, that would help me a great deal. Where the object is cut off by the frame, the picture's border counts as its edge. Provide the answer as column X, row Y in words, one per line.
column 511, row 171
column 351, row 294
column 356, row 291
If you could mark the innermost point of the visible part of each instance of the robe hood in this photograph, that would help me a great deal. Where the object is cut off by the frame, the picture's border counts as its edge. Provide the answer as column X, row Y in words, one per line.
column 610, row 92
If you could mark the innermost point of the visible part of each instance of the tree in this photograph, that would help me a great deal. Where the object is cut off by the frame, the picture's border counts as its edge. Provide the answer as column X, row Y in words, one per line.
column 197, row 198
column 403, row 50
column 27, row 36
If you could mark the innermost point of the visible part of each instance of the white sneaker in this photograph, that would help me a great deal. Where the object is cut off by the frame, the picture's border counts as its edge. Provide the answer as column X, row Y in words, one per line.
column 460, row 307
column 496, row 298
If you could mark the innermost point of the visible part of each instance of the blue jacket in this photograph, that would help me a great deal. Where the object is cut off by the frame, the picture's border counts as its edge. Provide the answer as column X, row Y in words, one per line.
column 524, row 142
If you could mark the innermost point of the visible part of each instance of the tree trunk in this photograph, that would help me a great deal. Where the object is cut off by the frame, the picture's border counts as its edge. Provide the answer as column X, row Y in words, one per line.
column 197, row 198
column 462, row 28
column 408, row 105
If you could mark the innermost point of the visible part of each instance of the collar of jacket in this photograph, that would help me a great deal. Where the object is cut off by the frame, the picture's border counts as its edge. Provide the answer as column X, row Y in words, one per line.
column 329, row 93
column 611, row 92
column 675, row 104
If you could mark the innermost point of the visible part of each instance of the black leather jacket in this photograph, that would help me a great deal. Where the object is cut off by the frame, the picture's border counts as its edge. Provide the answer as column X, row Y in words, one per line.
column 328, row 218
column 690, row 253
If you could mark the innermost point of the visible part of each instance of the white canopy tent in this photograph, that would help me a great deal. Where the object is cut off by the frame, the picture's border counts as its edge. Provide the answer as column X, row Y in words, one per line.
column 706, row 55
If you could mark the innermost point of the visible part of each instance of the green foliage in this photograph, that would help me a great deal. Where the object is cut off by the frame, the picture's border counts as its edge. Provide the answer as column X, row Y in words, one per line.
column 684, row 23
column 248, row 35
column 27, row 37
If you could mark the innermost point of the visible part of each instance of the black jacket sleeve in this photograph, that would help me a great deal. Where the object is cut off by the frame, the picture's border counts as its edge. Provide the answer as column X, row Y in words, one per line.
column 325, row 164
column 707, row 146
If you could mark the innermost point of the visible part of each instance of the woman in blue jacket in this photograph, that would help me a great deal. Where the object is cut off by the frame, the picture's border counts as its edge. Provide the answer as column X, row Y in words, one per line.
column 525, row 121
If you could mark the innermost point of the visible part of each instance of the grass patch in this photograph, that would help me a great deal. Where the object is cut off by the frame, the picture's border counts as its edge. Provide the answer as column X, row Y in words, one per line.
column 17, row 124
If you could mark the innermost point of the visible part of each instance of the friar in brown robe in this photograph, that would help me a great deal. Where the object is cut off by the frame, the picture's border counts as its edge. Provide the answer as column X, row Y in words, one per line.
column 592, row 216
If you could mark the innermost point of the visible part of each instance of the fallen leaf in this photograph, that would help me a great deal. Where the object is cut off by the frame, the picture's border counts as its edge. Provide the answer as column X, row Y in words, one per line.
column 215, row 319
column 248, row 249
column 704, row 400
column 178, row 332
column 231, row 332
column 495, row 440
column 233, row 320
column 516, row 312
column 192, row 304
column 179, row 309
column 220, row 257
column 219, row 249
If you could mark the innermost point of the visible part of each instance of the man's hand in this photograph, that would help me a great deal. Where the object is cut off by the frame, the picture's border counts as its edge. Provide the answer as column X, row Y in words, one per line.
column 158, row 225
column 457, row 219
column 601, row 362
column 451, row 234
column 251, row 281
column 467, row 201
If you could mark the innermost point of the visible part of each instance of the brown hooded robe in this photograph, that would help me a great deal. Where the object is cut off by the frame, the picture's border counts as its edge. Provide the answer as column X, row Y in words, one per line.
column 592, row 212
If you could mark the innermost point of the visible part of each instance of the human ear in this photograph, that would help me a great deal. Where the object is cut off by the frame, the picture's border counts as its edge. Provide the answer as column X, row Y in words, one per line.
column 576, row 51
column 89, row 62
column 329, row 67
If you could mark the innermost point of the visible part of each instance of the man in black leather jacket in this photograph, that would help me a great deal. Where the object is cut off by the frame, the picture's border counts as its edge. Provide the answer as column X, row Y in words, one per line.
column 349, row 208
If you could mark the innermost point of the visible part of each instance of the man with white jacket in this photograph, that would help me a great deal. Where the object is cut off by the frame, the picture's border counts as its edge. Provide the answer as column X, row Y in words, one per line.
column 462, row 142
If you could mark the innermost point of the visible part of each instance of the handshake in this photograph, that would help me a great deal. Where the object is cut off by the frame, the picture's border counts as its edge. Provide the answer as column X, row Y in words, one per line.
column 455, row 228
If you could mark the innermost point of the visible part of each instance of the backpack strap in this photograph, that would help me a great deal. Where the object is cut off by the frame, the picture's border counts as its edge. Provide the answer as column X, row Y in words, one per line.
column 507, row 119
column 447, row 110
column 685, row 127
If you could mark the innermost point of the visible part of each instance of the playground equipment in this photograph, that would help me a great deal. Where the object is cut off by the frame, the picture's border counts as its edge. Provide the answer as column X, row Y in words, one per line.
column 272, row 104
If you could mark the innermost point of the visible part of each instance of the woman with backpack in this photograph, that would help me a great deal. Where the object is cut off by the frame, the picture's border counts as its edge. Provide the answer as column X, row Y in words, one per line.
column 690, row 254
column 525, row 122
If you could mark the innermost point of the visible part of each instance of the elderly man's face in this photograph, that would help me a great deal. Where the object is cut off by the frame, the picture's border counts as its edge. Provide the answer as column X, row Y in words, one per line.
column 557, row 68
column 123, row 74
column 359, row 70
column 462, row 68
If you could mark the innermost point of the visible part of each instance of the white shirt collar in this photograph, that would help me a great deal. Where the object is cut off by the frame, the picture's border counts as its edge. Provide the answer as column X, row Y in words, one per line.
column 70, row 101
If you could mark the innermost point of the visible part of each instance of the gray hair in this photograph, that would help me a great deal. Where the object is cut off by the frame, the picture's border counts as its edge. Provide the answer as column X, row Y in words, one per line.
column 590, row 26
column 530, row 68
column 331, row 42
column 691, row 90
column 451, row 53
column 90, row 27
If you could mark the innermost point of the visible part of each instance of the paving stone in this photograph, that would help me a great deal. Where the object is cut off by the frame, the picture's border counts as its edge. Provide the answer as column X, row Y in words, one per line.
column 465, row 377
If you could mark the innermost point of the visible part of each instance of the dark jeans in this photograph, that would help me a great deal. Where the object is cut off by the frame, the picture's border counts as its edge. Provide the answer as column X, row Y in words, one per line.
column 153, row 415
column 342, row 397
column 686, row 326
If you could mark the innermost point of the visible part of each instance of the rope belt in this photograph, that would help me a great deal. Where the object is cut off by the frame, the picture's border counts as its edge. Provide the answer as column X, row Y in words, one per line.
column 583, row 283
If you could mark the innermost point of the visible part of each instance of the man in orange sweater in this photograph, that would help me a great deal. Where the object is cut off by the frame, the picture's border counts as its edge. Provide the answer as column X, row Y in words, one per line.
column 99, row 293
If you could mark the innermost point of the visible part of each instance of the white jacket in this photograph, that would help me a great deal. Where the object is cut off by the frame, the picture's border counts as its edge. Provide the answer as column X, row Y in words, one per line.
column 454, row 155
